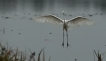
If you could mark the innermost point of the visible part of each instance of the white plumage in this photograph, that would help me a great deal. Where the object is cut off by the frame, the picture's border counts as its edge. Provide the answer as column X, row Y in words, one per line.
column 76, row 22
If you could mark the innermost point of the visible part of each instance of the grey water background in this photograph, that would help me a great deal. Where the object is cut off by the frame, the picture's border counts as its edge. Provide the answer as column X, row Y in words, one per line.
column 22, row 32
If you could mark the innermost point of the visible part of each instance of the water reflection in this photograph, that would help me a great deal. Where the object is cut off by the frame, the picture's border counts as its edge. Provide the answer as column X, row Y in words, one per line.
column 41, row 5
column 7, row 5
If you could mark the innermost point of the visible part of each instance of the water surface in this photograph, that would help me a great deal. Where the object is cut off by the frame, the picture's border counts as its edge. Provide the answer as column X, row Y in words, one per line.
column 21, row 31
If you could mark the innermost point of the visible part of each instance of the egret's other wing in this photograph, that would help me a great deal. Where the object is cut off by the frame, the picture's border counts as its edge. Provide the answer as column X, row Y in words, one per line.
column 49, row 18
column 80, row 21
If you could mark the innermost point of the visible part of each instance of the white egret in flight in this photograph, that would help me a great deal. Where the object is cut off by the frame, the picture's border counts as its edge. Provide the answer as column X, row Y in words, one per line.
column 77, row 21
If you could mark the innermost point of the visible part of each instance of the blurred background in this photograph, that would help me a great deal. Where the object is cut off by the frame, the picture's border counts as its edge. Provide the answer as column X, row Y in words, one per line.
column 18, row 28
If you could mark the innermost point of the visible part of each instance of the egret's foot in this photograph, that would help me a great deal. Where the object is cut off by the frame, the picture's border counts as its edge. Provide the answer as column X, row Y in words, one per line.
column 67, row 45
column 63, row 44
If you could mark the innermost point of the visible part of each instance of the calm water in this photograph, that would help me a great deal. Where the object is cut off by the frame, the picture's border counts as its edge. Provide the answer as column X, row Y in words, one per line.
column 21, row 31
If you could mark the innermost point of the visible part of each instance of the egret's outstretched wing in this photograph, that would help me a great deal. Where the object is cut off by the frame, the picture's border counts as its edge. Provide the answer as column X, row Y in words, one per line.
column 49, row 18
column 80, row 21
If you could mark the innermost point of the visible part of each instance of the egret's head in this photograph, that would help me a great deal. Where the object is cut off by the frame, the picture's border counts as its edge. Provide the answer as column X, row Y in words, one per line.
column 63, row 12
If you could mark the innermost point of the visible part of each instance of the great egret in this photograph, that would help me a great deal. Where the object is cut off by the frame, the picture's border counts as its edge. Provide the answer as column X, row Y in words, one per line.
column 77, row 21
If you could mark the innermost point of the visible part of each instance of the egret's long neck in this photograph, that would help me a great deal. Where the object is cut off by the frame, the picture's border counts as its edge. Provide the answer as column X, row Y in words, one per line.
column 63, row 17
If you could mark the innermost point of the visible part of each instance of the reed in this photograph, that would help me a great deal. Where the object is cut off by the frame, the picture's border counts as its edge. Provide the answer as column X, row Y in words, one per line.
column 99, row 56
column 9, row 54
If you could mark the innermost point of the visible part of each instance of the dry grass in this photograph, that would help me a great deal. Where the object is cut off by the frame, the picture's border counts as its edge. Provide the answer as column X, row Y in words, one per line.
column 7, row 54
column 99, row 56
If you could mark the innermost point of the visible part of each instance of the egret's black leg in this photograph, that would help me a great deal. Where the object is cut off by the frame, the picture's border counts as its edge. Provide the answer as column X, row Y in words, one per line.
column 63, row 38
column 67, row 39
